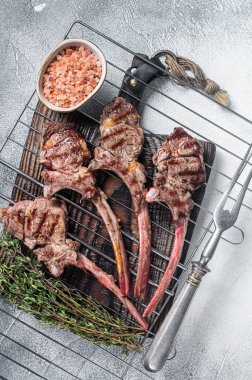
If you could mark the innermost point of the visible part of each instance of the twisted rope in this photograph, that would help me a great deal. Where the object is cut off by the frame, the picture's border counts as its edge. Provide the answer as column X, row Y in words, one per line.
column 190, row 73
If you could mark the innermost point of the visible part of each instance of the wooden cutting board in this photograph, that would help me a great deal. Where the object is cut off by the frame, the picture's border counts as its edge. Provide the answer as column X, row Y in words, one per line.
column 91, row 230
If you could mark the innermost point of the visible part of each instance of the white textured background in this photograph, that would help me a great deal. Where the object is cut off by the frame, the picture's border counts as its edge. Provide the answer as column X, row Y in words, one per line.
column 216, row 339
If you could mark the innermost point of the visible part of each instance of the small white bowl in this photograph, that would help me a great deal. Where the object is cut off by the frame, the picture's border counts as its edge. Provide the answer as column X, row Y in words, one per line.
column 64, row 45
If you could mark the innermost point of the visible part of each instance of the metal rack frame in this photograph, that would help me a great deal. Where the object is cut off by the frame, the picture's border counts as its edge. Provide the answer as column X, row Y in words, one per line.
column 206, row 229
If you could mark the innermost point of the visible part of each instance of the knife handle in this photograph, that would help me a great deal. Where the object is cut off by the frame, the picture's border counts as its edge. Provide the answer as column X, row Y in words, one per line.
column 132, row 88
column 161, row 345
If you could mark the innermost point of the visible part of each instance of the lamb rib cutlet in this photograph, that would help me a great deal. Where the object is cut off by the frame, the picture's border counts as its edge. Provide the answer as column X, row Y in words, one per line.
column 121, row 142
column 64, row 151
column 62, row 147
column 36, row 222
column 180, row 170
column 42, row 223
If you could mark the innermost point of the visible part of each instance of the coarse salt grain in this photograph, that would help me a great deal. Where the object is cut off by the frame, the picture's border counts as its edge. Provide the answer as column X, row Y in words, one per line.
column 75, row 72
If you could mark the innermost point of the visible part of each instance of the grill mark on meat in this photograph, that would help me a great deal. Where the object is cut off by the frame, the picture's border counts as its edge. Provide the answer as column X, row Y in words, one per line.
column 122, row 140
column 180, row 169
column 62, row 147
column 52, row 227
column 29, row 222
column 41, row 223
column 30, row 219
column 120, row 110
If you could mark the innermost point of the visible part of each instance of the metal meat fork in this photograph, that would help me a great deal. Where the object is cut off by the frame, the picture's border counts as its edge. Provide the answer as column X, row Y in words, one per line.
column 223, row 220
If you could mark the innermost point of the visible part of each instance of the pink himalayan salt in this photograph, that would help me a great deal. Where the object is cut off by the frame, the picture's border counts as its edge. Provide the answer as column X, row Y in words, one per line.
column 71, row 77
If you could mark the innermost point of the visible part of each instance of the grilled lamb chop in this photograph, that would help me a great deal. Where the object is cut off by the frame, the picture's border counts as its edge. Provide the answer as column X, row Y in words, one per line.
column 45, row 221
column 121, row 142
column 65, row 151
column 62, row 147
column 36, row 222
column 180, row 170
column 42, row 223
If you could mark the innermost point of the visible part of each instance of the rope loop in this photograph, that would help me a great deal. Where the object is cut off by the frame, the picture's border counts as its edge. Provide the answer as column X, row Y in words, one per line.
column 190, row 73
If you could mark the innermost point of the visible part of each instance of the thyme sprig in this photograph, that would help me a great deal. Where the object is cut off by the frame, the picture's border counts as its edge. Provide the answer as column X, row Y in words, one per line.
column 24, row 283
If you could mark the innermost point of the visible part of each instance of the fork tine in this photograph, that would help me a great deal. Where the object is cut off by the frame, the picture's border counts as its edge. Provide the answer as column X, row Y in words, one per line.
column 238, row 203
column 233, row 180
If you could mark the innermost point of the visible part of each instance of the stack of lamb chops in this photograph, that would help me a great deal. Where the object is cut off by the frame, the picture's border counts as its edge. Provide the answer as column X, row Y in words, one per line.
column 43, row 223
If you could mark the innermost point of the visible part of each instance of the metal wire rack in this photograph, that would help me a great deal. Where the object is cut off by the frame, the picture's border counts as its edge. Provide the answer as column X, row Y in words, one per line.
column 203, row 127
